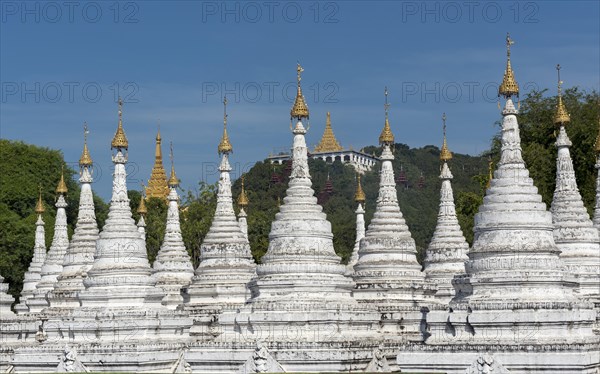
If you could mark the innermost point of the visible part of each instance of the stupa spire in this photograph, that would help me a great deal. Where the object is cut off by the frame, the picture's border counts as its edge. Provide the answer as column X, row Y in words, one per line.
column 120, row 275
column 79, row 255
column 119, row 141
column 574, row 233
column 359, row 198
column 387, row 255
column 157, row 184
column 299, row 109
column 561, row 117
column 52, row 266
column 328, row 141
column 243, row 202
column 142, row 211
column 226, row 263
column 225, row 145
column 32, row 276
column 509, row 86
column 173, row 268
column 490, row 172
column 447, row 251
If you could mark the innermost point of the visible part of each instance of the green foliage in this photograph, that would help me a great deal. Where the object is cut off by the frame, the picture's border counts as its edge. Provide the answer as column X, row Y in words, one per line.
column 24, row 167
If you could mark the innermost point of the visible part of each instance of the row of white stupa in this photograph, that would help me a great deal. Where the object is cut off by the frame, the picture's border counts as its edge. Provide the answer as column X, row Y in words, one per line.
column 524, row 297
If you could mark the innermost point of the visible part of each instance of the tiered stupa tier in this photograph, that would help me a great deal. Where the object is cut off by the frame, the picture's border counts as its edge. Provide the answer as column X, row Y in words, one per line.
column 157, row 184
column 517, row 309
column 33, row 276
column 359, row 198
column 80, row 254
column 387, row 272
column 120, row 275
column 173, row 268
column 447, row 252
column 574, row 233
column 52, row 266
column 226, row 263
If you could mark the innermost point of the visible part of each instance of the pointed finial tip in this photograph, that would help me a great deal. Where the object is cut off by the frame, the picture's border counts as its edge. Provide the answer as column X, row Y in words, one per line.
column 509, row 86
column 242, row 200
column 359, row 196
column 120, row 140
column 85, row 160
column 299, row 109
column 445, row 154
column 39, row 207
column 561, row 117
column 225, row 145
column 386, row 137
column 62, row 189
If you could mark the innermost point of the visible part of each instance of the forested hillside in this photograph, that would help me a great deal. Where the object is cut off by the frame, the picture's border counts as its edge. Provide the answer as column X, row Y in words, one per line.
column 23, row 167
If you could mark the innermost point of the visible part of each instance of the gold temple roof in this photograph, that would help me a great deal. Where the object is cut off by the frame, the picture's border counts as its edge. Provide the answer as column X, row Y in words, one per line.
column 509, row 86
column 243, row 198
column 561, row 117
column 157, row 184
column 120, row 139
column 359, row 196
column 299, row 109
column 445, row 154
column 328, row 141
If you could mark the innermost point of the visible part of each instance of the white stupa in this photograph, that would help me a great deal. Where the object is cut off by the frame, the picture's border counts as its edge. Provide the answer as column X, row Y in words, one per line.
column 447, row 252
column 359, row 198
column 226, row 264
column 173, row 268
column 52, row 266
column 79, row 256
column 33, row 276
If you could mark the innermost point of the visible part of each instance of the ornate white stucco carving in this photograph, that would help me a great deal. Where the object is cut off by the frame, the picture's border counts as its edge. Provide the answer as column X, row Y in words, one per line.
column 33, row 276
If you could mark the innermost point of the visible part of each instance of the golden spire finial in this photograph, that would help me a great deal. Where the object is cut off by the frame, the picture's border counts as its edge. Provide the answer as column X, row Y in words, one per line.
column 490, row 172
column 328, row 141
column 386, row 137
column 62, row 186
column 359, row 196
column 561, row 117
column 509, row 85
column 225, row 146
column 445, row 154
column 39, row 207
column 85, row 159
column 299, row 109
column 173, row 181
column 243, row 198
column 120, row 140
column 142, row 210
column 158, row 137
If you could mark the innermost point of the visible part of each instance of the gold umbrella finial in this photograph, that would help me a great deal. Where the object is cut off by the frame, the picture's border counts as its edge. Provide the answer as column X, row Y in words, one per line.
column 39, row 207
column 359, row 196
column 509, row 86
column 225, row 145
column 561, row 117
column 299, row 109
column 243, row 198
column 386, row 137
column 120, row 139
column 62, row 186
column 85, row 159
column 445, row 154
column 173, row 181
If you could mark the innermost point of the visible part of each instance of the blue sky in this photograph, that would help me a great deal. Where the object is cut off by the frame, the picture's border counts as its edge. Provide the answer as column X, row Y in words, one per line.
column 64, row 63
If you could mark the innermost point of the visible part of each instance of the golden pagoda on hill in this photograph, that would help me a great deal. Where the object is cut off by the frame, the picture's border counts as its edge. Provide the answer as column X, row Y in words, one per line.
column 157, row 184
